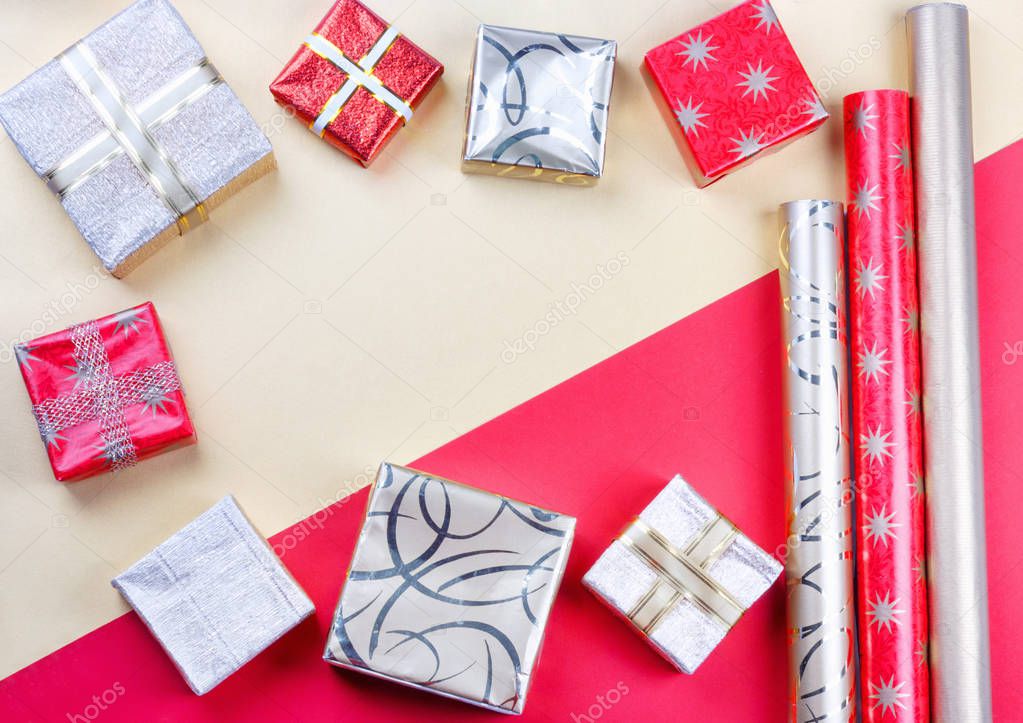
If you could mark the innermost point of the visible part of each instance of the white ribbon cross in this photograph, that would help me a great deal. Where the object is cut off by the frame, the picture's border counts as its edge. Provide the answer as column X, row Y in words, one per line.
column 129, row 130
column 359, row 74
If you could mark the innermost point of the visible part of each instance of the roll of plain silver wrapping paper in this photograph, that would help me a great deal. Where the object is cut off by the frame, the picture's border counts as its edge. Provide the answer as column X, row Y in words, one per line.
column 819, row 563
column 954, row 470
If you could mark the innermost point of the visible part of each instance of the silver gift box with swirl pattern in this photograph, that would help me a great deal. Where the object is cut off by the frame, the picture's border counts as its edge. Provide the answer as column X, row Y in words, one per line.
column 537, row 105
column 449, row 589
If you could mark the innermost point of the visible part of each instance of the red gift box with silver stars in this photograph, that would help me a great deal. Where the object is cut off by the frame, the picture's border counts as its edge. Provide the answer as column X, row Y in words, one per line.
column 356, row 80
column 105, row 394
column 735, row 89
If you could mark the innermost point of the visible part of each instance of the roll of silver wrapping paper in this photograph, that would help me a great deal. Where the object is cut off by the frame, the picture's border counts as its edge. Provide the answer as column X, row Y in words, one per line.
column 819, row 562
column 953, row 465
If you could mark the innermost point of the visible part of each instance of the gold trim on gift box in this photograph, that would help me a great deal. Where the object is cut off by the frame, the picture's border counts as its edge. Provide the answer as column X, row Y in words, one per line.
column 682, row 574
column 257, row 170
column 536, row 173
column 360, row 75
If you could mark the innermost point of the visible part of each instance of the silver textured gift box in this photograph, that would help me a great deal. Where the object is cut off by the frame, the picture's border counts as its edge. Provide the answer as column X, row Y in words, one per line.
column 136, row 133
column 214, row 595
column 449, row 589
column 682, row 575
column 537, row 105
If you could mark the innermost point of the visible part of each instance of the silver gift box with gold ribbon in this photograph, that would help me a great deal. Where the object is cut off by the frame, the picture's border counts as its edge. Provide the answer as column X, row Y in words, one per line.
column 682, row 574
column 136, row 133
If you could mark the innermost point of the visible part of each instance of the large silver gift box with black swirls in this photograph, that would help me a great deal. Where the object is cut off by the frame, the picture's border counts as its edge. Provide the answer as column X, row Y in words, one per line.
column 449, row 589
column 537, row 105
column 136, row 133
column 682, row 575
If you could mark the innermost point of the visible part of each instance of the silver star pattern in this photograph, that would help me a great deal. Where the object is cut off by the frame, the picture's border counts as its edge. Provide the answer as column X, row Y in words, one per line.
column 864, row 199
column 110, row 453
column 815, row 108
column 921, row 652
column 920, row 568
column 918, row 485
column 881, row 526
column 907, row 236
column 901, row 155
column 747, row 145
column 868, row 278
column 155, row 399
column 876, row 444
column 883, row 613
column 690, row 117
column 697, row 50
column 53, row 438
column 887, row 695
column 862, row 118
column 766, row 15
column 81, row 371
column 872, row 362
column 757, row 80
column 23, row 353
column 914, row 402
column 911, row 320
column 128, row 320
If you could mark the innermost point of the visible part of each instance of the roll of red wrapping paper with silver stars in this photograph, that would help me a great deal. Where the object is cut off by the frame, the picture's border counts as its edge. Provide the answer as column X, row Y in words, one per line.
column 887, row 425
column 819, row 549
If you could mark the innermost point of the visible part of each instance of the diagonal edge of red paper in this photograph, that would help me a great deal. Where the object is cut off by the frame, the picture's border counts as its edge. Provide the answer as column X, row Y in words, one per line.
column 701, row 397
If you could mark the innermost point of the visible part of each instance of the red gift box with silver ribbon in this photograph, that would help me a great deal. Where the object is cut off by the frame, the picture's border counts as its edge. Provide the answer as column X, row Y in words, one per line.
column 356, row 80
column 736, row 90
column 105, row 394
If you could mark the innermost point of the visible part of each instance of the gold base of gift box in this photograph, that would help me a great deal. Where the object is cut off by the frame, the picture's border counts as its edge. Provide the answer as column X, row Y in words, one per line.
column 535, row 173
column 257, row 170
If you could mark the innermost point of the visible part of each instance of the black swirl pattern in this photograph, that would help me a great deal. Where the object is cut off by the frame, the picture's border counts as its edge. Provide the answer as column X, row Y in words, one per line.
column 540, row 100
column 449, row 589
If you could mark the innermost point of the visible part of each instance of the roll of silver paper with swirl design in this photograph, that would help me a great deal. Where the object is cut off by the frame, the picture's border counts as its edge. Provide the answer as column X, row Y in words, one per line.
column 819, row 563
column 953, row 463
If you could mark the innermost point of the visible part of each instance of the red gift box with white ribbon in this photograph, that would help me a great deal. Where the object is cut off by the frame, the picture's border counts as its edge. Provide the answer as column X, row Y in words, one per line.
column 356, row 80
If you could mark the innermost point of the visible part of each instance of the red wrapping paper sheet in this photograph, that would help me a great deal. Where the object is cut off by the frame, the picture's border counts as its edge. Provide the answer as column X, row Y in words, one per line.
column 735, row 88
column 702, row 398
column 885, row 339
column 365, row 123
column 135, row 354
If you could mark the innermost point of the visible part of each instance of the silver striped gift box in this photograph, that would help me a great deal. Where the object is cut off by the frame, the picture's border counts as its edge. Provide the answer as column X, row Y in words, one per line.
column 214, row 595
column 682, row 575
column 136, row 133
